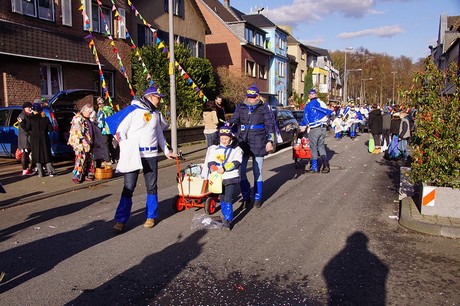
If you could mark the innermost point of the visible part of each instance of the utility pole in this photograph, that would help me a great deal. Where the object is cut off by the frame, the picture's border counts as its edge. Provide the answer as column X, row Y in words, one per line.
column 172, row 77
column 363, row 88
column 394, row 73
column 345, row 78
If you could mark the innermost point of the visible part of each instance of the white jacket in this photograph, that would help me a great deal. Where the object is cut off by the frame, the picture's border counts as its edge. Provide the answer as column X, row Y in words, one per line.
column 223, row 158
column 141, row 135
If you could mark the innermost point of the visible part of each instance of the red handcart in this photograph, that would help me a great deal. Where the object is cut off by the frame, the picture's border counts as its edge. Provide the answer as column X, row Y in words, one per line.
column 193, row 190
column 301, row 150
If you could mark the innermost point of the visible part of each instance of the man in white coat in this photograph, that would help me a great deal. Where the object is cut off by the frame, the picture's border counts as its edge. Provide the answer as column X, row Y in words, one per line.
column 140, row 135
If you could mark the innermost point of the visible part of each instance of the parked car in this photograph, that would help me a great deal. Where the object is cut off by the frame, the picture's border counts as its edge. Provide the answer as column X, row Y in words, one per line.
column 60, row 110
column 298, row 114
column 288, row 125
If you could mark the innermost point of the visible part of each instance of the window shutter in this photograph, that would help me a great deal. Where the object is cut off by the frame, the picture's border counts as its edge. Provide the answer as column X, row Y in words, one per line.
column 89, row 13
column 67, row 12
column 16, row 6
column 122, row 23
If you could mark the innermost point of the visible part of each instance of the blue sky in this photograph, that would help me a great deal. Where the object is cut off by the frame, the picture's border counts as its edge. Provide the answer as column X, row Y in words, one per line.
column 394, row 27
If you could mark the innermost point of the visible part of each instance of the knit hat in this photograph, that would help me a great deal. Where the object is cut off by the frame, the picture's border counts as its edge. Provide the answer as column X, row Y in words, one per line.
column 252, row 91
column 153, row 90
column 27, row 104
column 225, row 131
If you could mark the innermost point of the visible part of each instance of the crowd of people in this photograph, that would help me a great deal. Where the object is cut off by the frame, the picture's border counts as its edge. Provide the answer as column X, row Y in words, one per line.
column 391, row 127
column 133, row 137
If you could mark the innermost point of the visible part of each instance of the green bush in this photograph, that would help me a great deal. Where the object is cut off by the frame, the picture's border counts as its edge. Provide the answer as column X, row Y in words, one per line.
column 436, row 157
column 188, row 102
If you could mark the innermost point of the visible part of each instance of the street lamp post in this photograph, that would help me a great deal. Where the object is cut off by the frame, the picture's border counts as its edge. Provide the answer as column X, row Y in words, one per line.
column 363, row 88
column 345, row 77
column 348, row 72
column 394, row 73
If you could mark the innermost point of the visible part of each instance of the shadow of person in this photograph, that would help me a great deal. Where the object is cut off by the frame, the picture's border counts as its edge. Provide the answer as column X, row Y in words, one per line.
column 142, row 283
column 355, row 276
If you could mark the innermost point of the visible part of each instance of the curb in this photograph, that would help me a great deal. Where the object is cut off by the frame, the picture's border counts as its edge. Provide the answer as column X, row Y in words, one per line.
column 406, row 219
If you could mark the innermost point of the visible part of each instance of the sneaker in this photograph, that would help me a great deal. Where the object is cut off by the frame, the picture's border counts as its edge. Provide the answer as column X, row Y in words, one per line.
column 149, row 223
column 118, row 227
column 27, row 172
column 257, row 203
column 76, row 180
column 226, row 225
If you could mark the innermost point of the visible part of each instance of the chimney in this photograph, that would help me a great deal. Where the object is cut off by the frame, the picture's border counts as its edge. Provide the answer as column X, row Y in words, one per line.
column 227, row 3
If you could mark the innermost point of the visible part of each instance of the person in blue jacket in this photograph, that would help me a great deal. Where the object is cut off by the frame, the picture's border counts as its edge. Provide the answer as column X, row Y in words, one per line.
column 255, row 131
column 315, row 116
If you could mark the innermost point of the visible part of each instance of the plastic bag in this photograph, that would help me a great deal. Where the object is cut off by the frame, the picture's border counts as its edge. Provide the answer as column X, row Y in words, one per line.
column 371, row 146
column 18, row 154
column 202, row 221
column 215, row 182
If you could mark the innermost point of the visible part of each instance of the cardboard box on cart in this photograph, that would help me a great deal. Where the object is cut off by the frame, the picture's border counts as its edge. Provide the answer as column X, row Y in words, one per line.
column 192, row 182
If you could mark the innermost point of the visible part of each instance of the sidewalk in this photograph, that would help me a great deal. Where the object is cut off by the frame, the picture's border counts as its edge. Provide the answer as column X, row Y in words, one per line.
column 25, row 189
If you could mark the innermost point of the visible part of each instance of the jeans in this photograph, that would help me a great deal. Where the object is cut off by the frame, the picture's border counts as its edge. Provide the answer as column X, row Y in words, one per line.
column 227, row 195
column 316, row 138
column 211, row 139
column 402, row 146
column 256, row 168
column 150, row 169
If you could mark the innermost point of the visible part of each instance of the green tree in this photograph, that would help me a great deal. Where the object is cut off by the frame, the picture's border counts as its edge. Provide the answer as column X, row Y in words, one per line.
column 308, row 81
column 436, row 95
column 188, row 101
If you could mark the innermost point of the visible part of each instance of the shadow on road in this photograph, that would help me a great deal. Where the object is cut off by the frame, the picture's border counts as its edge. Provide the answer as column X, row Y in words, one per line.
column 33, row 259
column 143, row 282
column 355, row 276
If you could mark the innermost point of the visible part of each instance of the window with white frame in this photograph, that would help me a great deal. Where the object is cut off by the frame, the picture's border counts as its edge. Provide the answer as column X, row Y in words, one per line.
column 121, row 24
column 262, row 72
column 302, row 75
column 66, row 12
column 302, row 55
column 250, row 68
column 43, row 9
column 249, row 35
column 281, row 69
column 109, row 81
column 260, row 40
column 178, row 6
column 100, row 18
column 50, row 79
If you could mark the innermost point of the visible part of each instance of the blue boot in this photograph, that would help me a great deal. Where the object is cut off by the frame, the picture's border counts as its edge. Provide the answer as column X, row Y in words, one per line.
column 151, row 206
column 314, row 165
column 258, row 193
column 227, row 210
column 123, row 210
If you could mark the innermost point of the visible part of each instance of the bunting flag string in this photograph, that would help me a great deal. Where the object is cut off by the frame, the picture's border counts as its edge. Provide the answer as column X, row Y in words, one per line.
column 92, row 47
column 160, row 44
column 114, row 48
column 133, row 45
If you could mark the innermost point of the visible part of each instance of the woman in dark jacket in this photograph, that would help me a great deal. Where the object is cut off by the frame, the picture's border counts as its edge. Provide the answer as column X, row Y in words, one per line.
column 256, row 134
column 39, row 126
column 375, row 123
column 24, row 139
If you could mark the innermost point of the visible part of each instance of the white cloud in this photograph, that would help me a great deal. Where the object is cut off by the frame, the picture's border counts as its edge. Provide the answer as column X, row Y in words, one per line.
column 386, row 31
column 310, row 11
column 313, row 42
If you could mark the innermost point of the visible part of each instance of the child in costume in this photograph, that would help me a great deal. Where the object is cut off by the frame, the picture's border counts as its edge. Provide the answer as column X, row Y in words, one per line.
column 225, row 158
column 337, row 124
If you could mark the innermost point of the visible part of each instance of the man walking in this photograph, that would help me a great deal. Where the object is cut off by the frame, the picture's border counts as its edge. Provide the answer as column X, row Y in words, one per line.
column 315, row 116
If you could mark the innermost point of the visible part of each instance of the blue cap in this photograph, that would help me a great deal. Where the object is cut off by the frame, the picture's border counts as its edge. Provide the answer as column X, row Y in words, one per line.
column 312, row 92
column 252, row 91
column 37, row 107
column 225, row 131
column 153, row 90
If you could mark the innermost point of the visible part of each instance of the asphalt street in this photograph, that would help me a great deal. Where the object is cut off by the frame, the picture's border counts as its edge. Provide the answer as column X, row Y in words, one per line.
column 318, row 239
